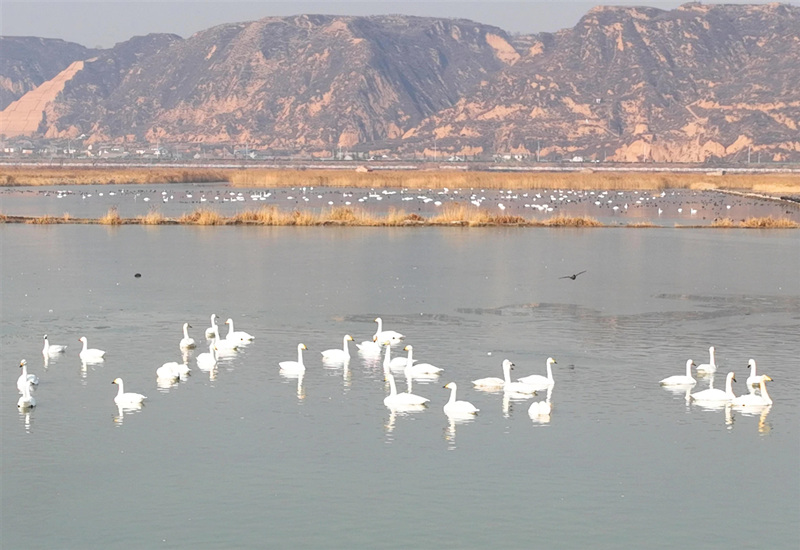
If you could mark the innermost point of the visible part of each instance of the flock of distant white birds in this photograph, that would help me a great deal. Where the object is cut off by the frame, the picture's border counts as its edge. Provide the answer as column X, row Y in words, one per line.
column 407, row 401
column 541, row 200
column 380, row 344
column 754, row 400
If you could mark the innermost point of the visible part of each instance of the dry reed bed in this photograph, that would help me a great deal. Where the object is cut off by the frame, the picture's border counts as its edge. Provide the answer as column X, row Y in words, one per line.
column 773, row 184
column 453, row 215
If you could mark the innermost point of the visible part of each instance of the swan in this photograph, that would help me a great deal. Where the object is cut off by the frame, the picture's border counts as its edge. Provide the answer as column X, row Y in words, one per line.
column 52, row 349
column 237, row 335
column 294, row 367
column 186, row 342
column 539, row 381
column 224, row 346
column 493, row 382
column 369, row 347
column 396, row 363
column 457, row 408
column 711, row 366
column 171, row 371
column 208, row 359
column 382, row 336
column 753, row 379
column 395, row 399
column 213, row 330
column 338, row 354
column 420, row 369
column 753, row 399
column 88, row 354
column 681, row 380
column 541, row 408
column 713, row 394
column 26, row 401
column 129, row 398
column 515, row 388
column 25, row 380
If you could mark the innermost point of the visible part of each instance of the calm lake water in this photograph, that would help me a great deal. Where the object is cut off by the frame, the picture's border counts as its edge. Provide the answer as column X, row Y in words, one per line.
column 243, row 457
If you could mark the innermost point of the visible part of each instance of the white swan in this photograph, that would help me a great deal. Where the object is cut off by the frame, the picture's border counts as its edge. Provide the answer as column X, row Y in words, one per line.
column 171, row 371
column 715, row 395
column 225, row 347
column 754, row 378
column 419, row 369
column 237, row 335
column 515, row 388
column 88, row 354
column 50, row 350
column 186, row 341
column 213, row 330
column 711, row 366
column 395, row 363
column 681, row 380
column 294, row 367
column 25, row 380
column 539, row 409
column 129, row 398
column 382, row 336
column 395, row 399
column 493, row 382
column 339, row 354
column 539, row 381
column 753, row 399
column 458, row 408
column 26, row 401
column 207, row 360
column 369, row 347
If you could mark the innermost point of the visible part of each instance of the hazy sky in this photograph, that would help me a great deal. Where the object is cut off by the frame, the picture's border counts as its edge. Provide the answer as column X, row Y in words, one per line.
column 104, row 23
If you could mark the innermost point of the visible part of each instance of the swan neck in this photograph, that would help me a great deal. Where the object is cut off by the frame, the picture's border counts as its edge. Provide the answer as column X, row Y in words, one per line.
column 549, row 371
column 392, row 386
column 452, row 396
column 506, row 373
column 299, row 355
column 764, row 394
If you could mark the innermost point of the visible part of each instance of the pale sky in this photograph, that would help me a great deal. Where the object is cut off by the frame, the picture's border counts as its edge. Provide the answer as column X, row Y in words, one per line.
column 104, row 23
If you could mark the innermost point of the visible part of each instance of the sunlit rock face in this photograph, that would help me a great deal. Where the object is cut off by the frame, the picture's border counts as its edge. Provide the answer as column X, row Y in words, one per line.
column 697, row 83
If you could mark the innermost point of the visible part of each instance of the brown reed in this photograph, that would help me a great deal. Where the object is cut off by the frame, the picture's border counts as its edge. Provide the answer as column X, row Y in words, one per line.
column 111, row 217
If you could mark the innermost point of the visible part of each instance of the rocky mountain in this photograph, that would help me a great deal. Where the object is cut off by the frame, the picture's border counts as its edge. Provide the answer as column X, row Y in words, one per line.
column 626, row 83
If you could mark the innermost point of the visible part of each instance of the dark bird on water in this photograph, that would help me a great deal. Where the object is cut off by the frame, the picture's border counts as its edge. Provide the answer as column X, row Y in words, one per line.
column 573, row 277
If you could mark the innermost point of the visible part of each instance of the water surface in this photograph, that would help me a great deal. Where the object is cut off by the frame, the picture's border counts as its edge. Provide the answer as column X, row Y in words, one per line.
column 244, row 457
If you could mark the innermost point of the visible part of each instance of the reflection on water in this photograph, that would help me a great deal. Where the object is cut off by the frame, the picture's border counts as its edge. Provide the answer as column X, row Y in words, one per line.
column 317, row 445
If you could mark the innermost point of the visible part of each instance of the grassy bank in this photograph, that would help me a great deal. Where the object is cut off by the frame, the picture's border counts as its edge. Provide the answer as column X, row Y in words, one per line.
column 452, row 216
column 769, row 184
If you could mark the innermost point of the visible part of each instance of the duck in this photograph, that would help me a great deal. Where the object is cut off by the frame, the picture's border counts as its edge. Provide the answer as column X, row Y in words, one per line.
column 395, row 399
column 213, row 330
column 128, row 398
column 419, row 369
column 754, row 378
column 458, row 408
column 237, row 335
column 50, row 350
column 753, row 399
column 715, row 395
column 294, row 367
column 539, row 381
column 88, row 354
column 25, row 380
column 679, row 379
column 340, row 355
column 382, row 336
column 27, row 401
column 186, row 341
column 207, row 360
column 711, row 366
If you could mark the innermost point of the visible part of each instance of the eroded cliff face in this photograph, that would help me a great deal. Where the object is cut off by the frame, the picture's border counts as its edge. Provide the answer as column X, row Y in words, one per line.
column 626, row 83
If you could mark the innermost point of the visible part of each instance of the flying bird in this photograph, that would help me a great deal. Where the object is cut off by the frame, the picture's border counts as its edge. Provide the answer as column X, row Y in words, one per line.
column 574, row 276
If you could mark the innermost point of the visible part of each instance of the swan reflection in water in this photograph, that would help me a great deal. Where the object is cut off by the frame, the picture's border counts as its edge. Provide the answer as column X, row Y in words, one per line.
column 27, row 419
column 450, row 429
column 399, row 410
column 288, row 376
column 127, row 408
column 762, row 412
column 540, row 411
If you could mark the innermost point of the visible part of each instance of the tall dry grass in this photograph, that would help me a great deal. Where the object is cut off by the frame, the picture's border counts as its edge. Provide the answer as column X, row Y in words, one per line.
column 202, row 216
column 153, row 217
column 111, row 217
column 66, row 175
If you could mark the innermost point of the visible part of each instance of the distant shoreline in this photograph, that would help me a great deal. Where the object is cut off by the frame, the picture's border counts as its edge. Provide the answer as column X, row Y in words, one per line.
column 766, row 183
